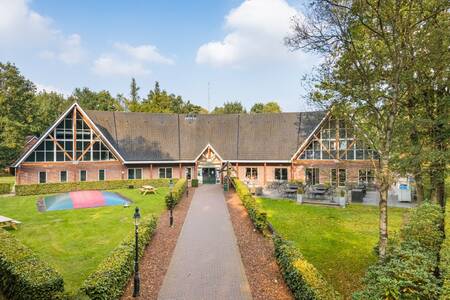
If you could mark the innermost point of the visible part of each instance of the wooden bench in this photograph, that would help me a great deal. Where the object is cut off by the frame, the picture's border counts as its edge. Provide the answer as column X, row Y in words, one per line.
column 8, row 222
column 147, row 189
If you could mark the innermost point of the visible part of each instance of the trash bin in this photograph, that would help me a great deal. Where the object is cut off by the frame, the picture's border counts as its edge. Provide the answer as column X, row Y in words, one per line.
column 357, row 195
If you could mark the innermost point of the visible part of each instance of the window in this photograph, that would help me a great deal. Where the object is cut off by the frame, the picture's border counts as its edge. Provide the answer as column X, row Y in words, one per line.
column 101, row 175
column 165, row 172
column 83, row 175
column 333, row 177
column 342, row 177
column 312, row 176
column 251, row 173
column 42, row 177
column 188, row 173
column 281, row 174
column 135, row 173
column 338, row 177
column 63, row 176
column 366, row 176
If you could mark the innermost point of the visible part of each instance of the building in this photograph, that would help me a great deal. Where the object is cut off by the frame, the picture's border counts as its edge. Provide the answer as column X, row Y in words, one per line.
column 97, row 145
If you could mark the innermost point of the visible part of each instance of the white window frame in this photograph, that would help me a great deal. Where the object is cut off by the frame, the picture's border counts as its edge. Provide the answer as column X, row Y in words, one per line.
column 165, row 172
column 281, row 173
column 251, row 172
column 134, row 173
column 39, row 177
column 104, row 174
column 79, row 173
column 67, row 175
column 186, row 171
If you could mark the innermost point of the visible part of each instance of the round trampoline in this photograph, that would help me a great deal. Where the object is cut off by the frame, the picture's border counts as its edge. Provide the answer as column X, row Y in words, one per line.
column 81, row 199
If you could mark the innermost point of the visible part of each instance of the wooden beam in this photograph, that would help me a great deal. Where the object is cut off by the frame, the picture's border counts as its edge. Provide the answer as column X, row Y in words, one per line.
column 323, row 146
column 348, row 148
column 292, row 171
column 60, row 147
column 265, row 177
column 74, row 129
column 179, row 167
column 87, row 149
column 151, row 171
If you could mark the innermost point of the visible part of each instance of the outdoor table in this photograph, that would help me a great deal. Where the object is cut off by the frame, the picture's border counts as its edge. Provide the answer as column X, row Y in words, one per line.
column 147, row 189
column 8, row 222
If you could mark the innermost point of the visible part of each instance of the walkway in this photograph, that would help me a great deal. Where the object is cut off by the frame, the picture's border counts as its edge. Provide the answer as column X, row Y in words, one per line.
column 206, row 263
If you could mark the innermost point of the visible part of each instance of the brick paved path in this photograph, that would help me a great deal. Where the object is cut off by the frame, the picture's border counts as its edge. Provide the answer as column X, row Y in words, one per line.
column 206, row 263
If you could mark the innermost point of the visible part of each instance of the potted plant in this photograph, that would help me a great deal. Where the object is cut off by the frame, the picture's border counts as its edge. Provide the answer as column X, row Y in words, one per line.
column 342, row 200
column 300, row 193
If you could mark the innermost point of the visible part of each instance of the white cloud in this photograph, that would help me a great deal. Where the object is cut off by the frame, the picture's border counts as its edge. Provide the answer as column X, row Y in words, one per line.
column 20, row 26
column 49, row 88
column 256, row 32
column 129, row 60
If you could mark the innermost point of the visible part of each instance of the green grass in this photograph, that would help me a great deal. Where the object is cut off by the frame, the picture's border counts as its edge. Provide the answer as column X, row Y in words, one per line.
column 74, row 242
column 7, row 179
column 338, row 242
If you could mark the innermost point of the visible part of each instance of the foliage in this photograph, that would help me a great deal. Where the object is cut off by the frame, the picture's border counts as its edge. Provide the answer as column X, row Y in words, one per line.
column 444, row 264
column 302, row 278
column 49, row 106
column 269, row 107
column 194, row 182
column 60, row 187
column 408, row 270
column 23, row 275
column 257, row 215
column 89, row 99
column 133, row 103
column 230, row 108
column 173, row 198
column 112, row 275
column 5, row 188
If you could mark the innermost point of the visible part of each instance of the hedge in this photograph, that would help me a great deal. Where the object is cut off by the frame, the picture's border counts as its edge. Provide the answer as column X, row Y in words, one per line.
column 194, row 182
column 5, row 187
column 108, row 281
column 302, row 278
column 48, row 188
column 445, row 257
column 23, row 275
column 177, row 193
column 257, row 215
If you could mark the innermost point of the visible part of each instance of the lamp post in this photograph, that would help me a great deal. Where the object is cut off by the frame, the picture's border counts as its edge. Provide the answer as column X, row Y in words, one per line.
column 171, row 202
column 137, row 281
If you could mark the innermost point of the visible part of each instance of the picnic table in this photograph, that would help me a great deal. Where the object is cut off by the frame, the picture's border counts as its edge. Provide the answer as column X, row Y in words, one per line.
column 147, row 189
column 8, row 222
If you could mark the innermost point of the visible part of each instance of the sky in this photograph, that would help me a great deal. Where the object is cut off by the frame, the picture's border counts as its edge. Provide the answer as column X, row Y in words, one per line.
column 234, row 47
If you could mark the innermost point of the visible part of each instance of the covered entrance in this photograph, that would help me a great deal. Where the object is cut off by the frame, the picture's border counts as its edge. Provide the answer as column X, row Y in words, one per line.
column 209, row 175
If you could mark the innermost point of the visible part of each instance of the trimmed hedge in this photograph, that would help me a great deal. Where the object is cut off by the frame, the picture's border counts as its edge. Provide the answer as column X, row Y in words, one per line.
column 444, row 265
column 194, row 182
column 23, row 275
column 5, row 188
column 61, row 187
column 302, row 278
column 177, row 193
column 257, row 215
column 112, row 275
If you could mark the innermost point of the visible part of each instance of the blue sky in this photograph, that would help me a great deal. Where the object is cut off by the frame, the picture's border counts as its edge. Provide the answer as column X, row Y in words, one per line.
column 234, row 45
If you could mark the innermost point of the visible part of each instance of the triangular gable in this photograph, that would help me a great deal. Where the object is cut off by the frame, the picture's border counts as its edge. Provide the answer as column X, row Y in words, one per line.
column 209, row 154
column 73, row 137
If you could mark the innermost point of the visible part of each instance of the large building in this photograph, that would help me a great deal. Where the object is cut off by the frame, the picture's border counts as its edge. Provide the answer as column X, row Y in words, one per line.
column 96, row 145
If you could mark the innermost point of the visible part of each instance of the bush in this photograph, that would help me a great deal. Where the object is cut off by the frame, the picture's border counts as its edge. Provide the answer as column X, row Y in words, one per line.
column 23, row 275
column 111, row 276
column 194, row 182
column 177, row 194
column 5, row 187
column 61, row 187
column 408, row 271
column 257, row 215
column 445, row 257
column 302, row 278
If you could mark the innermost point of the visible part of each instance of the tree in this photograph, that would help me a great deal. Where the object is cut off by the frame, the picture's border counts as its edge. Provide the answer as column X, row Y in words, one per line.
column 133, row 103
column 269, row 107
column 49, row 106
column 367, row 48
column 89, row 99
column 17, row 111
column 257, row 108
column 230, row 108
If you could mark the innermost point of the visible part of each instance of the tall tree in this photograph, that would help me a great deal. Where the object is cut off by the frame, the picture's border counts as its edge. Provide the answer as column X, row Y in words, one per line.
column 230, row 108
column 365, row 44
column 133, row 103
column 89, row 99
column 269, row 107
column 257, row 108
column 49, row 105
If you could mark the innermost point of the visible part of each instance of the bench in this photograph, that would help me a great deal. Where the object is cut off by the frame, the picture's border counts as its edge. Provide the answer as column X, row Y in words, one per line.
column 8, row 222
column 147, row 189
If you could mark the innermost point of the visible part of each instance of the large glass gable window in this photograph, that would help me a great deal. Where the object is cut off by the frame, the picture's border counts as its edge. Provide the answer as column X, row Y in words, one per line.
column 66, row 144
column 336, row 140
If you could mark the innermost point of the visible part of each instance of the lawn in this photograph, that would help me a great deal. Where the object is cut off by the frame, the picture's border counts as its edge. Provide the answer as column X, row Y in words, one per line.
column 76, row 241
column 339, row 242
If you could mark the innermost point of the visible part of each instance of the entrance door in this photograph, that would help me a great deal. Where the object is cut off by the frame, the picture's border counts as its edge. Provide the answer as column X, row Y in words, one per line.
column 209, row 175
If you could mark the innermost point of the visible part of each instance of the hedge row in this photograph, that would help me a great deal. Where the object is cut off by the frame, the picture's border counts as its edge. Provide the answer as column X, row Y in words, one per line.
column 111, row 276
column 61, row 187
column 5, row 187
column 257, row 215
column 177, row 193
column 23, row 275
column 302, row 278
column 408, row 271
column 445, row 257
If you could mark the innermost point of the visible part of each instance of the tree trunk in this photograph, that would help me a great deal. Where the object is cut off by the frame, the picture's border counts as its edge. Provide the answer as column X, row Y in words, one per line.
column 420, row 193
column 383, row 221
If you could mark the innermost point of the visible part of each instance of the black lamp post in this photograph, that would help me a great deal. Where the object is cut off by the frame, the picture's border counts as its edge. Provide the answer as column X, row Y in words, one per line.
column 137, row 281
column 171, row 201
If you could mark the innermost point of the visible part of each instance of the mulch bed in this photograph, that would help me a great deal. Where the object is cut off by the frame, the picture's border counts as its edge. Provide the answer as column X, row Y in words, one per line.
column 156, row 259
column 261, row 268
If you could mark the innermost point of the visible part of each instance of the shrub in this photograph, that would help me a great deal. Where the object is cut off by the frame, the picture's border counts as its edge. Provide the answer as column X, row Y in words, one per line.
column 111, row 276
column 5, row 187
column 61, row 187
column 302, row 278
column 445, row 257
column 23, row 275
column 257, row 215
column 177, row 194
column 194, row 182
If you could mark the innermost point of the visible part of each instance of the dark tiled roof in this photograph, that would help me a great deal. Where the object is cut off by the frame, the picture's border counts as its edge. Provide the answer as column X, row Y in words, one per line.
column 156, row 137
